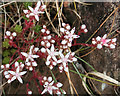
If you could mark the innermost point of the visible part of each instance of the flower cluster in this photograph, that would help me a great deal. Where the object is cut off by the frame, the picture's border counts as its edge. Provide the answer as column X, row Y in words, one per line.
column 51, row 87
column 68, row 36
column 100, row 41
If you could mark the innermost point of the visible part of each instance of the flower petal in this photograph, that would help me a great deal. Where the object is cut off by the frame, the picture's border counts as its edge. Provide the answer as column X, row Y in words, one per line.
column 104, row 37
column 34, row 56
column 31, row 14
column 45, row 90
column 34, row 63
column 61, row 55
column 51, row 83
column 59, row 61
column 18, row 69
column 22, row 73
column 76, row 36
column 52, row 48
column 31, row 9
column 24, row 54
column 98, row 38
column 41, row 12
column 54, row 58
column 73, row 30
column 48, row 57
column 13, row 78
column 37, row 17
column 67, row 55
column 25, row 11
column 55, row 88
column 19, row 79
column 12, row 72
column 38, row 5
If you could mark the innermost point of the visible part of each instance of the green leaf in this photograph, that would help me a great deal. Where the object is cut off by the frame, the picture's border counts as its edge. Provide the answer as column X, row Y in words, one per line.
column 6, row 60
column 13, row 50
column 26, row 4
column 37, row 28
column 6, row 53
column 20, row 61
column 18, row 28
column 24, row 17
column 6, row 43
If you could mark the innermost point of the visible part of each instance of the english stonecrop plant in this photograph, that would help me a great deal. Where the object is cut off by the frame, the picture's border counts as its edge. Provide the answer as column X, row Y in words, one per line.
column 54, row 49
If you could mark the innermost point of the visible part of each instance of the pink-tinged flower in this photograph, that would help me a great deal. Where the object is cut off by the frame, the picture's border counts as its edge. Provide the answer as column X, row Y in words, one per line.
column 30, row 58
column 64, row 60
column 100, row 41
column 16, row 75
column 35, row 11
column 68, row 37
column 50, row 86
column 71, row 35
column 51, row 53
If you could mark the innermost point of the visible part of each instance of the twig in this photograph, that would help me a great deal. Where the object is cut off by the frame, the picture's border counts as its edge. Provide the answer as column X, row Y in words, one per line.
column 78, row 1
column 112, row 23
column 3, row 85
column 8, row 15
column 5, row 22
column 51, row 21
column 58, row 13
column 71, row 83
column 7, row 4
column 18, row 13
column 88, row 53
column 16, row 22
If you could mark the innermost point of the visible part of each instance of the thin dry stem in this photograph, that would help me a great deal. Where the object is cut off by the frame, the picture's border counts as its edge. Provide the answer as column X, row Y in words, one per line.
column 18, row 12
column 71, row 83
column 5, row 22
column 8, row 15
column 112, row 23
column 7, row 3
column 3, row 85
column 58, row 13
column 88, row 53
column 51, row 21
column 78, row 1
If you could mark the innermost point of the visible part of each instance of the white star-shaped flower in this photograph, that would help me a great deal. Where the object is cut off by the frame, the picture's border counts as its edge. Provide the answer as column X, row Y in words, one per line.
column 35, row 11
column 30, row 56
column 16, row 75
column 50, row 86
column 71, row 35
column 52, row 53
column 64, row 60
